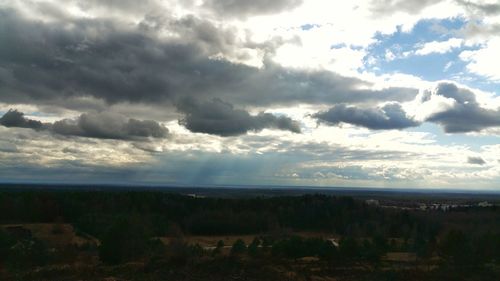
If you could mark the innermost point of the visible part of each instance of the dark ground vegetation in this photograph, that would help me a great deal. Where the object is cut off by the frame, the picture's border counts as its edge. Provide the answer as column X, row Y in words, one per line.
column 122, row 234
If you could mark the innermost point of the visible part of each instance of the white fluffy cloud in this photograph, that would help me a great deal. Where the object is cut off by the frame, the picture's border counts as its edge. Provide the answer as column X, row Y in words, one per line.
column 484, row 61
column 440, row 47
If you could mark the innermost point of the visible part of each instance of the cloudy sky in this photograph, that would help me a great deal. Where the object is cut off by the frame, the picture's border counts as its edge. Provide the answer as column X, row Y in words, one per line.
column 362, row 93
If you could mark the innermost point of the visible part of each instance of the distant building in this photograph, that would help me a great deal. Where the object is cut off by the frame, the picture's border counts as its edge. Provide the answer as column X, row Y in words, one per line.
column 193, row 195
column 372, row 202
column 484, row 204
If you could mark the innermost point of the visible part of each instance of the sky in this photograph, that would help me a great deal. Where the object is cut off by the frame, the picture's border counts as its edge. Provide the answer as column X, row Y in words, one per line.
column 362, row 93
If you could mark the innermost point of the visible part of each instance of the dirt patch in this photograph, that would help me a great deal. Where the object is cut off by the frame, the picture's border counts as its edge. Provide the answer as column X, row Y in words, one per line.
column 400, row 257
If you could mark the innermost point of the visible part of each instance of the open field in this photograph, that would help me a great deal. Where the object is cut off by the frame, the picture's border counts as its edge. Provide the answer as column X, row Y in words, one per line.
column 210, row 241
column 54, row 234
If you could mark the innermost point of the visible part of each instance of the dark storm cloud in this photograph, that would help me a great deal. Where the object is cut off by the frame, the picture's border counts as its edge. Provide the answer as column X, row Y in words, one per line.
column 123, row 6
column 103, row 125
column 44, row 63
column 390, row 116
column 384, row 7
column 226, row 8
column 238, row 8
column 474, row 30
column 209, row 39
column 393, row 6
column 221, row 118
column 466, row 115
column 484, row 8
column 109, row 126
column 475, row 160
column 14, row 118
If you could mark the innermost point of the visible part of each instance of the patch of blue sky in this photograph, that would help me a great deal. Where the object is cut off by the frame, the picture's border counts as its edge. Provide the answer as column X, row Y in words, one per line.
column 423, row 31
column 338, row 46
column 309, row 26
column 400, row 42
column 430, row 67
column 478, row 82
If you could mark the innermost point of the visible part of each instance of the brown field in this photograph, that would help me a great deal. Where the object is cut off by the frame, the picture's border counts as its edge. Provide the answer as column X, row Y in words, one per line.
column 209, row 242
column 400, row 257
column 55, row 235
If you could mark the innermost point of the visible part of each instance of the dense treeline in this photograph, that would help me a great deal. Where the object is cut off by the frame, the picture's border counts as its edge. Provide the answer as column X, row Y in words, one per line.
column 462, row 244
column 161, row 213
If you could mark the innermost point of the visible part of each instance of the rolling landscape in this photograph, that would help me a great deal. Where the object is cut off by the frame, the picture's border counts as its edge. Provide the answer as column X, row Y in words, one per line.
column 249, row 140
column 249, row 234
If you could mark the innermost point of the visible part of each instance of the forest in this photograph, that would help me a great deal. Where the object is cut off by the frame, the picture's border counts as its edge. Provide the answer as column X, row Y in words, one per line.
column 152, row 235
